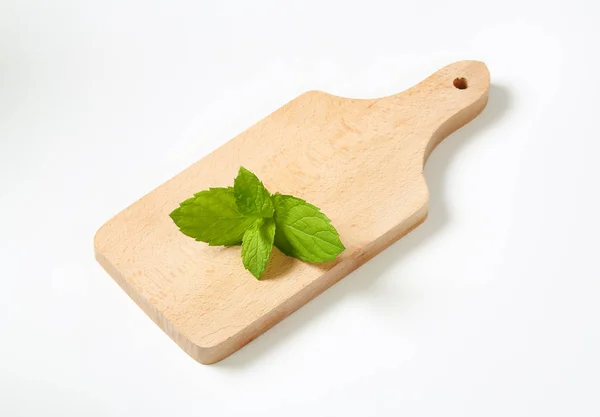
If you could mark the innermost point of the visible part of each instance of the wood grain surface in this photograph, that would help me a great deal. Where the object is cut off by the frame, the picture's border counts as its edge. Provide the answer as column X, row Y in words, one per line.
column 360, row 161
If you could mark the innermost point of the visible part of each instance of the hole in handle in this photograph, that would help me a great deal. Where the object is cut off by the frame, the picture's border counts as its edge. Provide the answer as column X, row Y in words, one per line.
column 460, row 83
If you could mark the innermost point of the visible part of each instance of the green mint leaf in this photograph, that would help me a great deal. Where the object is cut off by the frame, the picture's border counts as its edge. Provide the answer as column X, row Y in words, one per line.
column 251, row 196
column 212, row 216
column 257, row 246
column 303, row 231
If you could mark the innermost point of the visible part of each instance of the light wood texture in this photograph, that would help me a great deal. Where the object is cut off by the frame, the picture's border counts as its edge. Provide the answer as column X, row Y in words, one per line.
column 360, row 161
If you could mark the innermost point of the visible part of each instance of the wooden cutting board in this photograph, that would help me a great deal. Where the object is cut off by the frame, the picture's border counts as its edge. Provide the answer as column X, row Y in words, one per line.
column 360, row 161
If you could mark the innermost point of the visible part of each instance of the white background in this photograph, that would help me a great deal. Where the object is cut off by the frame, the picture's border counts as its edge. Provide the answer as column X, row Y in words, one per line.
column 490, row 308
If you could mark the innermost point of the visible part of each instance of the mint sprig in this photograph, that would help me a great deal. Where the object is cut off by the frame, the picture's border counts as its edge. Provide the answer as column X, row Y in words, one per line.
column 248, row 214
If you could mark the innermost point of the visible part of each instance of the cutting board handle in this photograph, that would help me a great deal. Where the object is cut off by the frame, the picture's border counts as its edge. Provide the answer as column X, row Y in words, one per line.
column 442, row 103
